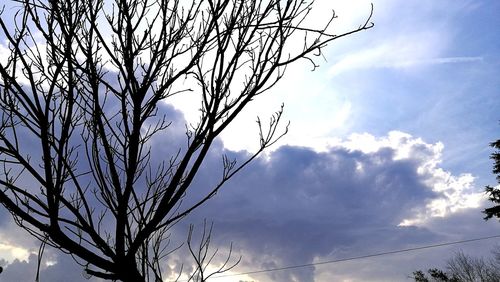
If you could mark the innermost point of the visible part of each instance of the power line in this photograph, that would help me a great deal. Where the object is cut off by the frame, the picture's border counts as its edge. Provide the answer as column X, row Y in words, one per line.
column 357, row 257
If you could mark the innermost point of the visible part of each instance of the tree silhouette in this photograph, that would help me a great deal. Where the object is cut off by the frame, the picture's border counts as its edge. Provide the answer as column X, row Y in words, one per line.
column 435, row 274
column 83, row 92
column 464, row 268
column 494, row 193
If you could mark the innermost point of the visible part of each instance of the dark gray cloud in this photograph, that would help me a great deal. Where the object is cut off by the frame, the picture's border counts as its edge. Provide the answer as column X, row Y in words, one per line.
column 12, row 236
column 298, row 204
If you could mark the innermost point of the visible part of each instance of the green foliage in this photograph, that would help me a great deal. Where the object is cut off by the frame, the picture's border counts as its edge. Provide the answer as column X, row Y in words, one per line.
column 436, row 275
column 493, row 192
column 419, row 276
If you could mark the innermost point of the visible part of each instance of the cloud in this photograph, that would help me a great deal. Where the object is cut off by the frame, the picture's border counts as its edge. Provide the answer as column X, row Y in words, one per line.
column 364, row 194
column 17, row 246
column 420, row 38
column 299, row 205
column 372, row 72
column 383, row 57
column 405, row 51
column 437, row 61
column 457, row 192
column 62, row 270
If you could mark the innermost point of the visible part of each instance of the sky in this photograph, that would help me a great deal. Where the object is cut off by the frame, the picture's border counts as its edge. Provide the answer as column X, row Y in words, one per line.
column 387, row 150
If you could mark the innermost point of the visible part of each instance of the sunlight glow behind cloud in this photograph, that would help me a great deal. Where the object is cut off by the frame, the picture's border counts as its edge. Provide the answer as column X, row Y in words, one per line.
column 10, row 252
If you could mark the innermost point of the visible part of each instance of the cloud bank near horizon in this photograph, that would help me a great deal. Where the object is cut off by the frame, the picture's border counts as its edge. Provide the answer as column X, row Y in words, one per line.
column 297, row 205
column 366, row 193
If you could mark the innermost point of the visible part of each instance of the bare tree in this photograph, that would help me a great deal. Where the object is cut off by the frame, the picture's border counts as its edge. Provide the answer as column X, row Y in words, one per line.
column 465, row 268
column 203, row 257
column 82, row 95
column 468, row 268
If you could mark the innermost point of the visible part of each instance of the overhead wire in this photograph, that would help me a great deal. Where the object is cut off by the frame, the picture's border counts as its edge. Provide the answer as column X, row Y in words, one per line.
column 355, row 257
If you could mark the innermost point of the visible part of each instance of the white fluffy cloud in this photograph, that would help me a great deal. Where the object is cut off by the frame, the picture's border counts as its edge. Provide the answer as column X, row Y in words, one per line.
column 456, row 192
